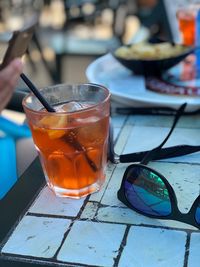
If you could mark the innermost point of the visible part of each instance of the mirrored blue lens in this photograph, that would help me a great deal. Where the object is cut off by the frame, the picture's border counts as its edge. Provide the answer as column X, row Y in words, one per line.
column 197, row 214
column 147, row 192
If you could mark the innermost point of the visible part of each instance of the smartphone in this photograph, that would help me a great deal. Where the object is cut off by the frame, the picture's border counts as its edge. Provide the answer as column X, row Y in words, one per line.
column 19, row 42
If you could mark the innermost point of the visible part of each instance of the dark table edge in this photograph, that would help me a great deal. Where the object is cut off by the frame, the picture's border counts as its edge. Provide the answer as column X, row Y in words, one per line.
column 17, row 200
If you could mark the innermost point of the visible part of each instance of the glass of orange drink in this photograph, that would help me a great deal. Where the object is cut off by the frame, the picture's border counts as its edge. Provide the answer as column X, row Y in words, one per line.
column 71, row 142
column 186, row 16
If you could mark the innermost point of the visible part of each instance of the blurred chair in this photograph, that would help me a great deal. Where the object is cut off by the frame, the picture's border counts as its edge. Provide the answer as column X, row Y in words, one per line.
column 82, row 33
column 154, row 15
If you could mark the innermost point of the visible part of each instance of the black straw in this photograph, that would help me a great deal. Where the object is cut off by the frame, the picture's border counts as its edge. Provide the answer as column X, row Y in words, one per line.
column 37, row 93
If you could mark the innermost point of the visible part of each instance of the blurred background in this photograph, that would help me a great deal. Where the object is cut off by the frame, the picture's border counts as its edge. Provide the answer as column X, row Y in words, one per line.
column 72, row 33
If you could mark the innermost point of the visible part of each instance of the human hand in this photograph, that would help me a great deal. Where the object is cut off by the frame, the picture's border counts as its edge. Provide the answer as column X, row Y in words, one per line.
column 8, row 80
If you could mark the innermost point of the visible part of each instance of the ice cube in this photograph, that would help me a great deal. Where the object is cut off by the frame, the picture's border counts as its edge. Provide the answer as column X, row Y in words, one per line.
column 71, row 106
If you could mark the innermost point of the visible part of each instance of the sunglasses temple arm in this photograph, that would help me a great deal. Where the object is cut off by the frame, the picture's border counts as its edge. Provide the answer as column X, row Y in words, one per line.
column 169, row 152
column 152, row 111
column 151, row 154
column 146, row 111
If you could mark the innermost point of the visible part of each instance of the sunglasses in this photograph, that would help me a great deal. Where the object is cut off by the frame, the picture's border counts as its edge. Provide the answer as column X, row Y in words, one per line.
column 148, row 192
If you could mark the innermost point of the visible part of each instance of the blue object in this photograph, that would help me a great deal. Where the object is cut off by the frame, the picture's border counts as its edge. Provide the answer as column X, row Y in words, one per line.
column 197, row 215
column 13, row 129
column 8, row 164
column 197, row 42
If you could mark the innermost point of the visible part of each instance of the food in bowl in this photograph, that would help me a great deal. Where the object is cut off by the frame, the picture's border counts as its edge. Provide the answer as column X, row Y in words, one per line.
column 150, row 51
column 151, row 59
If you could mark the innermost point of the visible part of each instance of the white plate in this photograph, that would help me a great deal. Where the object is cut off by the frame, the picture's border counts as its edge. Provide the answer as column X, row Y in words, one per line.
column 128, row 89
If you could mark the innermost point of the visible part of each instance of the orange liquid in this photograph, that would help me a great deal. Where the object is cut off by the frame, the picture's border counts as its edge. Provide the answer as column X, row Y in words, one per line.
column 187, row 26
column 74, row 157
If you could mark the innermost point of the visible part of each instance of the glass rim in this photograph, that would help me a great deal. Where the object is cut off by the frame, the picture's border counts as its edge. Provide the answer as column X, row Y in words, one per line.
column 107, row 97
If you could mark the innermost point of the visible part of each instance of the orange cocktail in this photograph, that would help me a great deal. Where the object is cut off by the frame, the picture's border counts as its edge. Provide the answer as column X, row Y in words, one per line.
column 186, row 16
column 72, row 142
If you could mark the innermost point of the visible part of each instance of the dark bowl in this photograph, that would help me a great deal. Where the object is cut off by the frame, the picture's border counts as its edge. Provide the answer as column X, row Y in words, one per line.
column 152, row 67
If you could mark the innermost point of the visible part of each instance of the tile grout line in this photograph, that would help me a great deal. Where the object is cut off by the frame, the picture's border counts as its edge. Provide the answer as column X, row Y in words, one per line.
column 73, row 218
column 70, row 226
column 122, row 245
column 187, row 249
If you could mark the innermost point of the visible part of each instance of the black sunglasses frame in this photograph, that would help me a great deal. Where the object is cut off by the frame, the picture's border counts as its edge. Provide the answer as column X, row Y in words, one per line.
column 163, row 153
column 175, row 214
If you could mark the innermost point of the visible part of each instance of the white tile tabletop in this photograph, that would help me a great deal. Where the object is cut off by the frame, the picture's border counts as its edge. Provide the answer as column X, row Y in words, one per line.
column 101, row 231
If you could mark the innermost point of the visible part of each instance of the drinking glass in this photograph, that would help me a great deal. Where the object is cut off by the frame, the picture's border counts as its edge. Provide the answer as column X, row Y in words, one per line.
column 186, row 16
column 186, row 20
column 72, row 142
